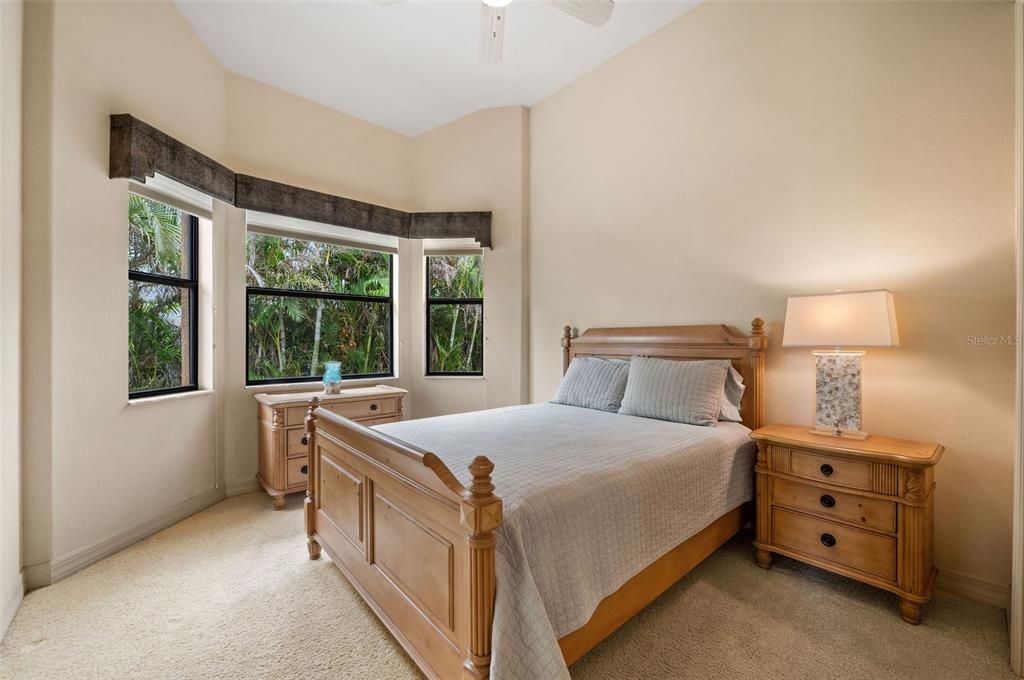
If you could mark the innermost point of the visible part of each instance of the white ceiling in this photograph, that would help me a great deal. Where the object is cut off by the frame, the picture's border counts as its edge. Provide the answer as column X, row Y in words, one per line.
column 414, row 65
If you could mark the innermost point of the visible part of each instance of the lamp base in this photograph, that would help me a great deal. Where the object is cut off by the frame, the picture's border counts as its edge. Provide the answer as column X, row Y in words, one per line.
column 837, row 390
column 839, row 433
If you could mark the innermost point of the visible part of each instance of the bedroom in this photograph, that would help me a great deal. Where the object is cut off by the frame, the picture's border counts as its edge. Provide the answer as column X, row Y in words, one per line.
column 683, row 164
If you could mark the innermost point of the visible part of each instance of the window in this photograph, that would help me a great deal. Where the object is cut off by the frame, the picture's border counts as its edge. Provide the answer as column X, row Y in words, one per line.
column 162, row 298
column 455, row 315
column 309, row 302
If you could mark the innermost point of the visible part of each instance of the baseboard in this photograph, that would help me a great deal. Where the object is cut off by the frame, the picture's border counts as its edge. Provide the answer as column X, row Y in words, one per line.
column 62, row 567
column 12, row 600
column 240, row 486
column 974, row 588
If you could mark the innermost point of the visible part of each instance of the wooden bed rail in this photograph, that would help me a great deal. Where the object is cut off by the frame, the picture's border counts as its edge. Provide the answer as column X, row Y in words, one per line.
column 381, row 493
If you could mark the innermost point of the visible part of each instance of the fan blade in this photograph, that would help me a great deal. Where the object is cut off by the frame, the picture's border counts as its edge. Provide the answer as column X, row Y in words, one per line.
column 594, row 12
column 492, row 33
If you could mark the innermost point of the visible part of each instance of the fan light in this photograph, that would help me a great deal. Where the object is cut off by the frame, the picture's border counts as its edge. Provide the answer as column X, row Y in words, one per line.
column 497, row 3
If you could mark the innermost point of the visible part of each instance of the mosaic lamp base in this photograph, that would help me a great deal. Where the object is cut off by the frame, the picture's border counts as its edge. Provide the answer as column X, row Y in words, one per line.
column 837, row 411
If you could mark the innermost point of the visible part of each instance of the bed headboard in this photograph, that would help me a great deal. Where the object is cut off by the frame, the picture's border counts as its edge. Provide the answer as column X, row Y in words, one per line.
column 711, row 341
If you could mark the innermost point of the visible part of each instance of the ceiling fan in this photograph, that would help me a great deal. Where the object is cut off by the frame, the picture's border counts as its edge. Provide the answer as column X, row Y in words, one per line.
column 494, row 12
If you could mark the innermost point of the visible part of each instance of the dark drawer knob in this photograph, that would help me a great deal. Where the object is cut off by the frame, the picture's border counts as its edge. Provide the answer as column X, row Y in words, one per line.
column 828, row 501
column 826, row 470
column 373, row 407
column 828, row 540
column 305, row 440
column 304, row 469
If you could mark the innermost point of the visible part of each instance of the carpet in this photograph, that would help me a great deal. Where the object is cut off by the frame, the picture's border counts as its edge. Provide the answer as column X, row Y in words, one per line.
column 230, row 593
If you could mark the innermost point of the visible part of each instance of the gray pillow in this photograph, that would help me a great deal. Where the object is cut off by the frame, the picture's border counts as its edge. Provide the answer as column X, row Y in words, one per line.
column 679, row 391
column 595, row 383
column 732, row 397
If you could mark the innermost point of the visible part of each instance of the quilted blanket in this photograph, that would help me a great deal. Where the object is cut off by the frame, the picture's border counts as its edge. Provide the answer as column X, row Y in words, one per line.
column 590, row 499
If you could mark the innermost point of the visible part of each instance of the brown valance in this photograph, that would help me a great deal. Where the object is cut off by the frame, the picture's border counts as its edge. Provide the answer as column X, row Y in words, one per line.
column 138, row 150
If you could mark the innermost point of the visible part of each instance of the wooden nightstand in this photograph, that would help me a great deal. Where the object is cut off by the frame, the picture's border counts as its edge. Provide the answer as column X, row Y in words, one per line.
column 282, row 419
column 860, row 508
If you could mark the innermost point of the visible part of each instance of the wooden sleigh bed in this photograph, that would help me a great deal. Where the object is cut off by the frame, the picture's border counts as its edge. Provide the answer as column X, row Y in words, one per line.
column 419, row 546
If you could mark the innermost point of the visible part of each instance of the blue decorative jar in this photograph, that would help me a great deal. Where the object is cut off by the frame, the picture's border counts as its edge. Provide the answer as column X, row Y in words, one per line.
column 332, row 377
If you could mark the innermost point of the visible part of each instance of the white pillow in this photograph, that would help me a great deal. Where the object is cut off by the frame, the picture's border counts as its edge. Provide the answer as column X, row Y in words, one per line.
column 592, row 382
column 732, row 395
column 680, row 391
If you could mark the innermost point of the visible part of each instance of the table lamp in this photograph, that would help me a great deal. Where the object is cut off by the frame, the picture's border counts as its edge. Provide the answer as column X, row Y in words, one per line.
column 838, row 320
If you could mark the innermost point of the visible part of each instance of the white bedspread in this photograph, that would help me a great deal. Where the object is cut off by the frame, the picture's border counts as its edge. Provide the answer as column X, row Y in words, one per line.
column 590, row 499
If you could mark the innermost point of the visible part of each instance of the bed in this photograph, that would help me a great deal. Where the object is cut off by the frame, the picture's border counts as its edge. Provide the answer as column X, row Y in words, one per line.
column 595, row 514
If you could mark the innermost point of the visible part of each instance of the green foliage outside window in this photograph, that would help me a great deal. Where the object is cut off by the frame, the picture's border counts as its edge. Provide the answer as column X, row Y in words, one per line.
column 311, row 302
column 455, row 315
column 159, row 296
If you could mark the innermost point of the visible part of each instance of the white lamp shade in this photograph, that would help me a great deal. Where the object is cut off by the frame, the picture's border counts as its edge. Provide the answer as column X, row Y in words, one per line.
column 861, row 319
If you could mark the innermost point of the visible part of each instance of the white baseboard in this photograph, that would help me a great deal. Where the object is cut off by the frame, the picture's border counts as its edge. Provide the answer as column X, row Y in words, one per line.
column 974, row 588
column 64, row 566
column 240, row 486
column 36, row 575
column 12, row 600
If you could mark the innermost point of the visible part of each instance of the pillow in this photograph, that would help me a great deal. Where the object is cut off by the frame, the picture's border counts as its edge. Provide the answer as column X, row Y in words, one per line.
column 732, row 395
column 680, row 391
column 595, row 383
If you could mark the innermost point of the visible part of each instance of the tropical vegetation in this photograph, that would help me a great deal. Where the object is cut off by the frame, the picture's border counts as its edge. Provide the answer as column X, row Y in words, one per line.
column 455, row 314
column 159, row 242
column 308, row 302
column 311, row 302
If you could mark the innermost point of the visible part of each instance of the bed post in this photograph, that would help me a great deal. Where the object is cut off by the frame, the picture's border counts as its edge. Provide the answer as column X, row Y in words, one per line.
column 758, row 343
column 310, row 506
column 567, row 336
column 481, row 515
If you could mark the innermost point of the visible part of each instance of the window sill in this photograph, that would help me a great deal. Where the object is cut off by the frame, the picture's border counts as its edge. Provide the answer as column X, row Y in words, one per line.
column 314, row 386
column 454, row 377
column 160, row 398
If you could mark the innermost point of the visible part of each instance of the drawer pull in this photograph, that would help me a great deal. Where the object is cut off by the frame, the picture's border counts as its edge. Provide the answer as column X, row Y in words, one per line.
column 305, row 440
column 304, row 469
column 826, row 470
column 373, row 407
column 828, row 501
column 828, row 540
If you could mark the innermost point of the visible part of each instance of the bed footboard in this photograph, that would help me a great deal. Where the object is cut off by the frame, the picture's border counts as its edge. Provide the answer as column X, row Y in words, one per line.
column 416, row 544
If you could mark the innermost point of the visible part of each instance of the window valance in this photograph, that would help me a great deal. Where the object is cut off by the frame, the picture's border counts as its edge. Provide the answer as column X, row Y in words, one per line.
column 138, row 151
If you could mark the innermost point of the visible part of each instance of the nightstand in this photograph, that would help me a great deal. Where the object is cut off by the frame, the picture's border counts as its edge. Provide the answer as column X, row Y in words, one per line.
column 284, row 466
column 860, row 508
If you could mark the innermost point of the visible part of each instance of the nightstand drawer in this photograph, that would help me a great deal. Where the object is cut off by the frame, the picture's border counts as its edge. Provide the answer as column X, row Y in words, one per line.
column 852, row 473
column 363, row 409
column 856, row 548
column 295, row 445
column 871, row 513
column 298, row 471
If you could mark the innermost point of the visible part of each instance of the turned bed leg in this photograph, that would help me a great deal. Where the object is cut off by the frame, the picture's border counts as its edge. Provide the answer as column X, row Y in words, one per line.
column 481, row 515
column 310, row 503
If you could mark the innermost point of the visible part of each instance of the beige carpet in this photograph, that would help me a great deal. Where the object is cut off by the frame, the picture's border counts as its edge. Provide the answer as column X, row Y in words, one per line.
column 229, row 593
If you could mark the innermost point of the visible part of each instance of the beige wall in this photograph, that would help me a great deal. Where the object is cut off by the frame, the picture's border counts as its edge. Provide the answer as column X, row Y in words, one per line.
column 112, row 466
column 478, row 162
column 751, row 151
column 10, row 310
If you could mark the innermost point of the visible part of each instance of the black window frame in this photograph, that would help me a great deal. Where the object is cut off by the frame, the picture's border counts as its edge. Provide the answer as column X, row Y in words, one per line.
column 389, row 300
column 191, row 284
column 432, row 301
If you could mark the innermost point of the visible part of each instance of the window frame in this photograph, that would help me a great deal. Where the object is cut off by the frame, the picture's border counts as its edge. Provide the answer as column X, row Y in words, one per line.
column 432, row 301
column 191, row 284
column 389, row 300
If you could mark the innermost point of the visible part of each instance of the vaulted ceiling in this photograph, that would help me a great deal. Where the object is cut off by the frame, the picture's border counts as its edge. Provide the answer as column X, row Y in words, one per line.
column 414, row 65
